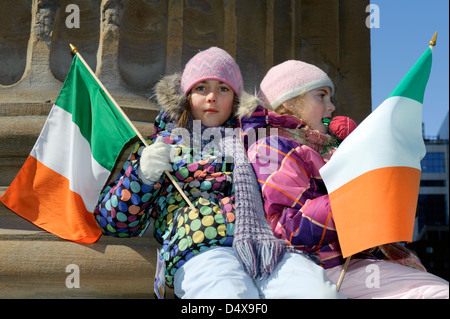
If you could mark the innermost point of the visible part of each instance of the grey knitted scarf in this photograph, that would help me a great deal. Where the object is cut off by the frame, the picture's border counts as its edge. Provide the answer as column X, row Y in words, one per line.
column 258, row 250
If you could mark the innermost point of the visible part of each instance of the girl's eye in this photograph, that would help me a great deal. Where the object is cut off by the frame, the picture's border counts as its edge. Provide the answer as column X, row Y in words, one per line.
column 200, row 88
column 224, row 89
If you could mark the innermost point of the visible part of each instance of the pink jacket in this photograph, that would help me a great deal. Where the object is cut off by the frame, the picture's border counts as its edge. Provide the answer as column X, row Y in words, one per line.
column 295, row 198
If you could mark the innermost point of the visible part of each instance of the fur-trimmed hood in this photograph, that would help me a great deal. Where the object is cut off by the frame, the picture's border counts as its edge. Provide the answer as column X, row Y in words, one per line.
column 170, row 98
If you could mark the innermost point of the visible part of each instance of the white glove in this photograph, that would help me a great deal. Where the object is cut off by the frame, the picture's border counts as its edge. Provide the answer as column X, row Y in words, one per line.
column 155, row 159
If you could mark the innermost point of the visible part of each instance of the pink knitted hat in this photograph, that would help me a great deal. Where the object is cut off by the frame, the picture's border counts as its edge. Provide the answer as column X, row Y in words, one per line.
column 212, row 64
column 290, row 79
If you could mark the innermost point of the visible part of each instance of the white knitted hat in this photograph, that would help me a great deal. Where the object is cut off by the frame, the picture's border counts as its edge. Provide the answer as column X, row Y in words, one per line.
column 290, row 79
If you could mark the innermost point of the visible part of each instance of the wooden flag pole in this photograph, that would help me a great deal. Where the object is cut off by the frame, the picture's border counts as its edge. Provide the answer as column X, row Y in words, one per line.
column 344, row 270
column 75, row 51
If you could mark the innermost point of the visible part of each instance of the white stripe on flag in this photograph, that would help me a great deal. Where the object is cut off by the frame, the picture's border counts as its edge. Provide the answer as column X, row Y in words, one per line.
column 62, row 148
column 397, row 123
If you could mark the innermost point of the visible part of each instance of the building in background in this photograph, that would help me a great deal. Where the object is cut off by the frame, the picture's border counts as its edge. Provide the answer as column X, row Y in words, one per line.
column 432, row 228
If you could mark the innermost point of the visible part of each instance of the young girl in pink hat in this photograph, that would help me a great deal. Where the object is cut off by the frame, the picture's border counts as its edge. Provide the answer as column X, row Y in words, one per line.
column 223, row 248
column 295, row 106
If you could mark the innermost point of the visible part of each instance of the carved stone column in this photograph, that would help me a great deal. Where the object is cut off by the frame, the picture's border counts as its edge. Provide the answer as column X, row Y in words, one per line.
column 37, row 75
column 14, row 38
column 174, row 50
column 108, row 48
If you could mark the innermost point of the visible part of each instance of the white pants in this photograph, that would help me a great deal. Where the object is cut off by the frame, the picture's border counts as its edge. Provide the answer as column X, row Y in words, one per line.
column 218, row 274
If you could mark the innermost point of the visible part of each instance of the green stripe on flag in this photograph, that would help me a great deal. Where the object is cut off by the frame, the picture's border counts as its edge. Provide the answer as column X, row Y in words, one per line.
column 415, row 81
column 100, row 123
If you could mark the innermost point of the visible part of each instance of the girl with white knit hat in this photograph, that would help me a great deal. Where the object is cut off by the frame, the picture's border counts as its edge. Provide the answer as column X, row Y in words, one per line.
column 295, row 99
column 223, row 247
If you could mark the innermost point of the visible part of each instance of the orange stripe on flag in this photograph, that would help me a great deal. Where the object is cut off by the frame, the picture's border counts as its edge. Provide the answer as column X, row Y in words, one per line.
column 384, row 219
column 43, row 197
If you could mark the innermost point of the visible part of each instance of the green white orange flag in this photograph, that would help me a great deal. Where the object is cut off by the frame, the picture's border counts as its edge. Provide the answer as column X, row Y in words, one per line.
column 373, row 178
column 59, row 184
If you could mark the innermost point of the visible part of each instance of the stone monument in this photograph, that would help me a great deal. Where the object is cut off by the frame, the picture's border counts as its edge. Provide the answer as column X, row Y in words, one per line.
column 130, row 44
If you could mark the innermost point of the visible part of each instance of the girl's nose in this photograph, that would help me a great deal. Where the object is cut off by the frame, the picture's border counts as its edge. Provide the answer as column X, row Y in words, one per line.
column 211, row 97
column 331, row 107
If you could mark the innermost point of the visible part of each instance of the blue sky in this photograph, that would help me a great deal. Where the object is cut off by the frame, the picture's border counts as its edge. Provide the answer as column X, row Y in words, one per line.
column 406, row 27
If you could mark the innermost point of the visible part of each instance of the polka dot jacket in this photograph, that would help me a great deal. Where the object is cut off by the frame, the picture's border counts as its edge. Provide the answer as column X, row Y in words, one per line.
column 127, row 204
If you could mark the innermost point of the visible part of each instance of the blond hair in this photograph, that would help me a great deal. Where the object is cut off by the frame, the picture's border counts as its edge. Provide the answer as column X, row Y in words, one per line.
column 294, row 102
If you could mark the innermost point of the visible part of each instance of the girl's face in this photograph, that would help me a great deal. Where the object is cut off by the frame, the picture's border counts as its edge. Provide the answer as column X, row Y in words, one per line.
column 314, row 106
column 212, row 102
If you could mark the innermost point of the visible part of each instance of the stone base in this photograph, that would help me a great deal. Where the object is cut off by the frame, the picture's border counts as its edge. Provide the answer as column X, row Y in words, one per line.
column 33, row 264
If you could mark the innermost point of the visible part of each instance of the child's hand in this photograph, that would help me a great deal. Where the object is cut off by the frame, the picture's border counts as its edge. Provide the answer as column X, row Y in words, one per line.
column 342, row 126
column 155, row 159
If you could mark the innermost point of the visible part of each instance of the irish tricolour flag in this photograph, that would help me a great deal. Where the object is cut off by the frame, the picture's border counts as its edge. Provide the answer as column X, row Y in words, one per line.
column 58, row 186
column 373, row 178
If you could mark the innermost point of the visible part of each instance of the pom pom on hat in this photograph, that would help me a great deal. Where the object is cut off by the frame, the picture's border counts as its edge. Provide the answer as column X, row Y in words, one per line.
column 212, row 64
column 290, row 79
